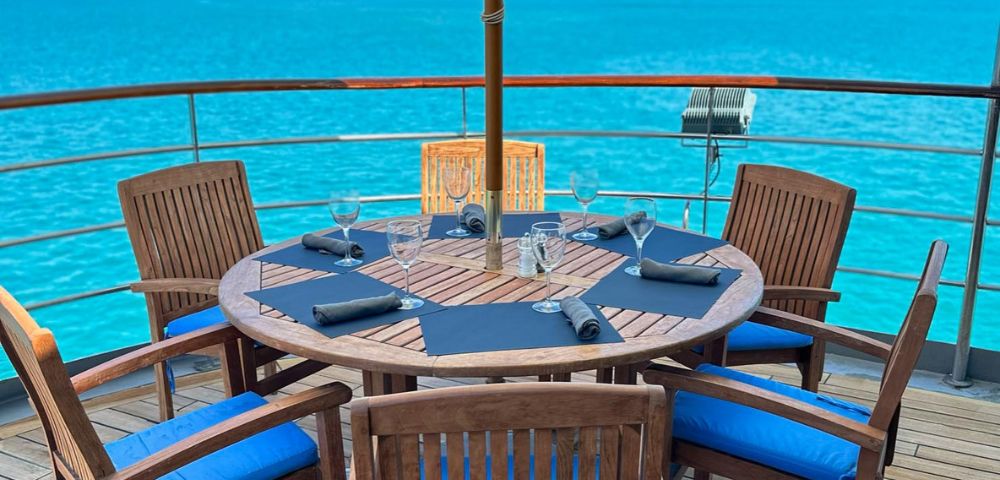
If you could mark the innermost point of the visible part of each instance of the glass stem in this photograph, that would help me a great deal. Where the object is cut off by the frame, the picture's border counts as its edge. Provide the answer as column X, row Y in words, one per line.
column 347, row 238
column 548, row 285
column 406, row 275
column 638, row 253
column 585, row 205
column 458, row 214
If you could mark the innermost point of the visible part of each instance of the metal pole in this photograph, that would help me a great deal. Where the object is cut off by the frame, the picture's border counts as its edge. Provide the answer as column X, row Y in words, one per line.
column 709, row 155
column 193, row 121
column 959, row 371
column 465, row 116
column 493, row 20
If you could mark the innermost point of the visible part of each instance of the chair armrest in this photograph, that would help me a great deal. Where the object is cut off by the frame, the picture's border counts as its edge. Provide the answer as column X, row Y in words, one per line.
column 862, row 434
column 786, row 292
column 822, row 331
column 207, row 286
column 327, row 398
column 154, row 353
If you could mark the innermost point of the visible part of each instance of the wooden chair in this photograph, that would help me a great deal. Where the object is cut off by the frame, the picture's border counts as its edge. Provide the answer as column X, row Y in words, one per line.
column 740, row 426
column 198, row 445
column 524, row 170
column 618, row 430
column 188, row 225
column 793, row 225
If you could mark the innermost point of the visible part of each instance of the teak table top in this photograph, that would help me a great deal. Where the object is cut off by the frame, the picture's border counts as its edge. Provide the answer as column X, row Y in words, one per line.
column 451, row 272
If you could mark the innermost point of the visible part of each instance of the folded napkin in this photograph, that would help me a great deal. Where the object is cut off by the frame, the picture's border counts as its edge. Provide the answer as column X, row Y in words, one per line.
column 675, row 272
column 582, row 317
column 363, row 307
column 335, row 246
column 474, row 217
column 617, row 227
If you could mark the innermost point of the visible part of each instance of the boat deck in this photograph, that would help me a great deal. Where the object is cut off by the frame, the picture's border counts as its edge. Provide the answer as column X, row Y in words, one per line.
column 940, row 435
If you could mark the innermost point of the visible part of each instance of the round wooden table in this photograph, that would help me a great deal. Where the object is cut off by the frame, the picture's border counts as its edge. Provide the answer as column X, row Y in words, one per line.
column 451, row 272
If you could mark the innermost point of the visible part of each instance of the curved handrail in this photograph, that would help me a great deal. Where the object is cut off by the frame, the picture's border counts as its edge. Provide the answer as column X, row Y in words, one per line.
column 382, row 83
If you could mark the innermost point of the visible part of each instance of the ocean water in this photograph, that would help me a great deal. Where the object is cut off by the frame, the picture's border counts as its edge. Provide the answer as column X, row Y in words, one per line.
column 53, row 45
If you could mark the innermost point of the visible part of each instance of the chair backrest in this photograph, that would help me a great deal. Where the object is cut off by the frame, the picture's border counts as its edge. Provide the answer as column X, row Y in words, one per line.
column 618, row 431
column 194, row 220
column 910, row 341
column 73, row 444
column 524, row 174
column 793, row 225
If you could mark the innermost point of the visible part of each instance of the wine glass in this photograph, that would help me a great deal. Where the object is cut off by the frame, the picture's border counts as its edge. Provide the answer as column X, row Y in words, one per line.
column 405, row 238
column 584, row 184
column 641, row 227
column 345, row 207
column 548, row 242
column 457, row 183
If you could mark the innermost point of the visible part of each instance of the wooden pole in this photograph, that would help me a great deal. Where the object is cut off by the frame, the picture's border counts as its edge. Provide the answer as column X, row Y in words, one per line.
column 493, row 20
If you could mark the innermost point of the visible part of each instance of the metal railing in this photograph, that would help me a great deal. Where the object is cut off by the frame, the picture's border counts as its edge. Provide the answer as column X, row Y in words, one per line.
column 979, row 219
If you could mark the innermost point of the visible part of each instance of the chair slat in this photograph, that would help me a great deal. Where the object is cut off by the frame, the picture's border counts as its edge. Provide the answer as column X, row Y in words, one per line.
column 610, row 444
column 455, row 443
column 564, row 453
column 432, row 456
column 477, row 455
column 388, row 457
column 631, row 444
column 498, row 454
column 409, row 455
column 522, row 454
column 588, row 453
column 543, row 454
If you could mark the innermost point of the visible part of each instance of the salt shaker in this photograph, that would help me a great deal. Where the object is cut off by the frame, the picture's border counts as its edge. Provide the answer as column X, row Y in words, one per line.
column 526, row 260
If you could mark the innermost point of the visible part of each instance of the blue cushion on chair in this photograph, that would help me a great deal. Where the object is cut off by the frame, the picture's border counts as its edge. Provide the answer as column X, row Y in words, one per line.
column 189, row 323
column 765, row 438
column 755, row 336
column 267, row 455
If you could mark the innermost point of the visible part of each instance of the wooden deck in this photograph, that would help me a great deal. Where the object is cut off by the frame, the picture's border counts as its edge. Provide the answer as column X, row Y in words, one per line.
column 940, row 436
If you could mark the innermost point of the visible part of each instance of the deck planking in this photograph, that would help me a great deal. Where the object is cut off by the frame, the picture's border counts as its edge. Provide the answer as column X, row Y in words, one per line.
column 940, row 435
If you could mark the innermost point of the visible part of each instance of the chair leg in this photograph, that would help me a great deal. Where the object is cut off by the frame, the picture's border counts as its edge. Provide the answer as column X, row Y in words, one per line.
column 890, row 443
column 164, row 398
column 702, row 475
column 232, row 369
column 811, row 366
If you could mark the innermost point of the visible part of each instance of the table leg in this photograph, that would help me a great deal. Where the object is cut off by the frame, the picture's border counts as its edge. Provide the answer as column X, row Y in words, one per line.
column 379, row 383
column 715, row 351
column 626, row 374
column 605, row 375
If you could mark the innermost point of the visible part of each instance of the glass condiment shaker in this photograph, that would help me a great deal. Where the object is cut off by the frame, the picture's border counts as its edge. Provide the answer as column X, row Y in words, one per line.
column 526, row 260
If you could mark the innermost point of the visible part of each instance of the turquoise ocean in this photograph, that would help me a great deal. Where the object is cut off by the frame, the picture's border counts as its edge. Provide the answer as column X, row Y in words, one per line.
column 50, row 45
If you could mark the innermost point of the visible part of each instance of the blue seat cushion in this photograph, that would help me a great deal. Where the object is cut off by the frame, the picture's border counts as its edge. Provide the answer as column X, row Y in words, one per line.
column 197, row 320
column 765, row 438
column 755, row 336
column 267, row 455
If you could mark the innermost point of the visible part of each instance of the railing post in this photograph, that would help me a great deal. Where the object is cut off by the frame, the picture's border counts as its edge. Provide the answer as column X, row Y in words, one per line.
column 958, row 377
column 709, row 156
column 193, row 121
column 465, row 116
